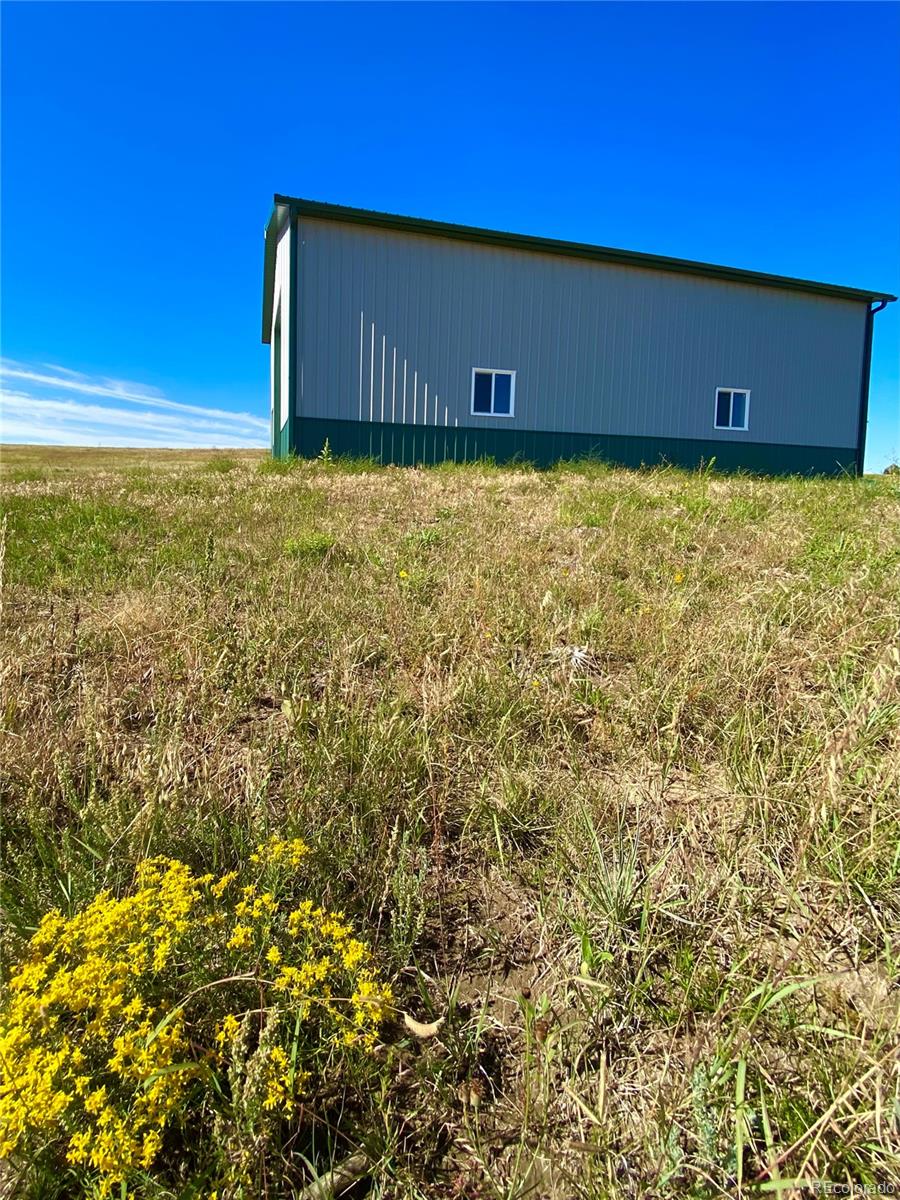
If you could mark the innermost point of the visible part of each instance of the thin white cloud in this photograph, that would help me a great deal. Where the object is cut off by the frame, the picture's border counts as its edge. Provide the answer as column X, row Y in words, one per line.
column 23, row 405
column 41, row 408
column 53, row 367
column 26, row 433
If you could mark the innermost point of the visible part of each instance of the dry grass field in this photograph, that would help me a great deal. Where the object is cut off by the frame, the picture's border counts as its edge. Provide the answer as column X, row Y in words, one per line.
column 603, row 766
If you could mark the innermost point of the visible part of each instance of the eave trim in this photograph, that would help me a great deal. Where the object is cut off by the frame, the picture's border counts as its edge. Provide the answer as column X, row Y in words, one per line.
column 519, row 241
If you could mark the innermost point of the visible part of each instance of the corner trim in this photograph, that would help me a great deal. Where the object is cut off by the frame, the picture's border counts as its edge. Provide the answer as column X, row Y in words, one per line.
column 862, row 427
column 294, row 247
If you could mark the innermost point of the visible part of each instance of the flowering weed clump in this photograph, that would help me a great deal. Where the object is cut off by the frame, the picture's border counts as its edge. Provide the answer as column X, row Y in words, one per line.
column 195, row 1008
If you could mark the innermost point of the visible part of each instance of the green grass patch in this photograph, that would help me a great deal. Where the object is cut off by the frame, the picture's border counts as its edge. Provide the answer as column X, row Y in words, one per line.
column 55, row 541
column 310, row 546
column 220, row 464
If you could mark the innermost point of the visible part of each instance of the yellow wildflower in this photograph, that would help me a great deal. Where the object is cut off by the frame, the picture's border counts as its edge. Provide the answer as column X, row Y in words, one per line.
column 95, row 1045
column 262, row 906
column 278, row 1079
column 241, row 937
column 281, row 851
column 219, row 887
column 353, row 953
column 228, row 1029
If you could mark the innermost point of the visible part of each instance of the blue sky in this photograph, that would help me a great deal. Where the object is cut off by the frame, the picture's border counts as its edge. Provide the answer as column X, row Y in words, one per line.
column 142, row 144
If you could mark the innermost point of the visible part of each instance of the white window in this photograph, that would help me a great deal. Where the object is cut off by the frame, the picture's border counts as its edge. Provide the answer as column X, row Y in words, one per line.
column 732, row 408
column 493, row 393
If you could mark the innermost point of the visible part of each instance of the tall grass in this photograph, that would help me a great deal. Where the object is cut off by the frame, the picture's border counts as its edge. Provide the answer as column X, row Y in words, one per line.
column 604, row 764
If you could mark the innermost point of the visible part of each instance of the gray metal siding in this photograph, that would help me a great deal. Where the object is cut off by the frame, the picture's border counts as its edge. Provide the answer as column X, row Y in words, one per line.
column 597, row 347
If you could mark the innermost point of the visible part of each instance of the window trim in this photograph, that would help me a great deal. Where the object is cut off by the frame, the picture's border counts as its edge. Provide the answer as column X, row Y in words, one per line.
column 745, row 392
column 494, row 372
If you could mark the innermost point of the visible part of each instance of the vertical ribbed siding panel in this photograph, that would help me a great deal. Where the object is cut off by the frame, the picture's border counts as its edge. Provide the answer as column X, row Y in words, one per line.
column 598, row 348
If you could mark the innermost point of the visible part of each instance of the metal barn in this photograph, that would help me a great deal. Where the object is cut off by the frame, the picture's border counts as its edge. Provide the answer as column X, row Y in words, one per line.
column 414, row 341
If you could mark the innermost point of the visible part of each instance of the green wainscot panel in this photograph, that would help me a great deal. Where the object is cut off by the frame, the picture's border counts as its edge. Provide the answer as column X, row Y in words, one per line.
column 413, row 445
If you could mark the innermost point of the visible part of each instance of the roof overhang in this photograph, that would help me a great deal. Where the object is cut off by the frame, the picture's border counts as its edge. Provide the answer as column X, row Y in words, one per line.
column 281, row 215
column 286, row 207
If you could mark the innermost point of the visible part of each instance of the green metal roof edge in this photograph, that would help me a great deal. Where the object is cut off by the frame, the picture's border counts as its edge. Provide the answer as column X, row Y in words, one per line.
column 521, row 241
